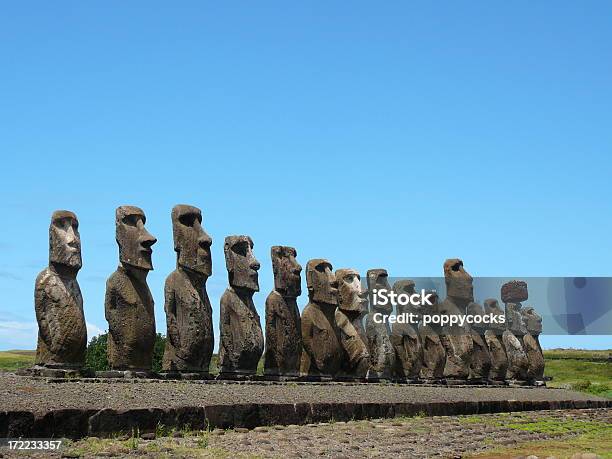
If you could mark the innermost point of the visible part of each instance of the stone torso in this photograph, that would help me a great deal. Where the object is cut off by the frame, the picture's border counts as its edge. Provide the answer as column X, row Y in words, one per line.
column 62, row 336
column 408, row 350
column 322, row 354
column 242, row 340
column 434, row 354
column 499, row 360
column 457, row 343
column 129, row 312
column 354, row 342
column 283, row 335
column 190, row 330
column 535, row 358
column 382, row 353
column 517, row 359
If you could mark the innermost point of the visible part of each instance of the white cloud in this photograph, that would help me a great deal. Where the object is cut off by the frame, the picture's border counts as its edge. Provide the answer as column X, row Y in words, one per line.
column 18, row 335
column 93, row 330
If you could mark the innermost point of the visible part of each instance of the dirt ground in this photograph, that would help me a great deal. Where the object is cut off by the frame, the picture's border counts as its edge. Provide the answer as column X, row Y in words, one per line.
column 564, row 433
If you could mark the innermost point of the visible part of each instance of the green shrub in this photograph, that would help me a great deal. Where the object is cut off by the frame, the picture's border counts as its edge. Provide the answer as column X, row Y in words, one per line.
column 96, row 359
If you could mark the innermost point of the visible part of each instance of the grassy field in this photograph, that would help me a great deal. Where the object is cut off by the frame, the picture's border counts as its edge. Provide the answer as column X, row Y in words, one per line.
column 12, row 360
column 585, row 371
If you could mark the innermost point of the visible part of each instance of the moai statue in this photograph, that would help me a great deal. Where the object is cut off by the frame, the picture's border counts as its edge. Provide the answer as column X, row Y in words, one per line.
column 512, row 294
column 128, row 304
column 456, row 340
column 480, row 358
column 242, row 340
column 190, row 337
column 382, row 353
column 62, row 334
column 352, row 306
column 531, row 344
column 283, row 328
column 434, row 354
column 493, row 338
column 405, row 337
column 322, row 353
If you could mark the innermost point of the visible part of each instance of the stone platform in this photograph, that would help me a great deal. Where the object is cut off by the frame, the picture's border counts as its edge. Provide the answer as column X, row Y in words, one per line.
column 38, row 407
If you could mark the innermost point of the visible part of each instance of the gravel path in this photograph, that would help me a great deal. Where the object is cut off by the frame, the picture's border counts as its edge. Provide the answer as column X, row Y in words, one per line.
column 39, row 396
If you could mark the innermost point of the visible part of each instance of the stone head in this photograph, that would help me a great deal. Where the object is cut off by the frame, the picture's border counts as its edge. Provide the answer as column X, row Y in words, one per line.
column 286, row 269
column 532, row 320
column 491, row 306
column 321, row 282
column 191, row 242
column 242, row 266
column 406, row 287
column 135, row 242
column 378, row 279
column 459, row 283
column 64, row 239
column 514, row 292
column 351, row 295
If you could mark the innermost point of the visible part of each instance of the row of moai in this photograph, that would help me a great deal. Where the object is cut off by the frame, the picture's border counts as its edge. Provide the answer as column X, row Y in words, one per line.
column 328, row 341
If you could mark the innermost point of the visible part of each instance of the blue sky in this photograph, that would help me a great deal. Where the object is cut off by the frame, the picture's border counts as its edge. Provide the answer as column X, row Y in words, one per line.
column 388, row 135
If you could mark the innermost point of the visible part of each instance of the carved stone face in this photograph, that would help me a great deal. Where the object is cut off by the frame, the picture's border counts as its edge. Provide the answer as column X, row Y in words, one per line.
column 241, row 264
column 514, row 319
column 351, row 296
column 491, row 306
column 191, row 242
column 64, row 239
column 406, row 286
column 379, row 279
column 135, row 242
column 321, row 282
column 532, row 320
column 459, row 284
column 287, row 278
column 514, row 292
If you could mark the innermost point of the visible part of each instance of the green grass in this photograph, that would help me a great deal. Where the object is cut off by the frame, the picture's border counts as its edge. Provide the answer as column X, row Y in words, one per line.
column 578, row 354
column 12, row 360
column 582, row 375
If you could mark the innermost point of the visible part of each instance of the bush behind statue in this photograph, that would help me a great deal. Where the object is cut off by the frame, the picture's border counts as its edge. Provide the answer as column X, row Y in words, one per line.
column 96, row 359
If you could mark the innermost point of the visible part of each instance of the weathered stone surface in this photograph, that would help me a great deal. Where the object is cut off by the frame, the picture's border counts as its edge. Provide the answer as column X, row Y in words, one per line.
column 518, row 364
column 493, row 338
column 129, row 304
column 434, row 354
column 514, row 292
column 322, row 354
column 242, row 342
column 405, row 337
column 456, row 340
column 190, row 336
column 531, row 344
column 382, row 353
column 352, row 306
column 480, row 358
column 62, row 334
column 283, row 326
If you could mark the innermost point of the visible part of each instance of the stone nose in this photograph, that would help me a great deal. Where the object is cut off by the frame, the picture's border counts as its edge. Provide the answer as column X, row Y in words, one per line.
column 255, row 265
column 205, row 241
column 147, row 239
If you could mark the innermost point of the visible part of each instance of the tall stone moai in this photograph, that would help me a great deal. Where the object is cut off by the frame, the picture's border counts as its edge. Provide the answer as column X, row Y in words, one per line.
column 494, row 340
column 512, row 294
column 531, row 344
column 405, row 337
column 382, row 353
column 480, row 358
column 322, row 353
column 190, row 336
column 128, row 304
column 62, row 334
column 352, row 307
column 283, row 326
column 456, row 340
column 434, row 353
column 242, row 343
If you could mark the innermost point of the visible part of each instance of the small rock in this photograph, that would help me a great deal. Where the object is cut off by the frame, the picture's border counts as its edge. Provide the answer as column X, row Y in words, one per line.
column 241, row 429
column 177, row 434
column 260, row 429
column 218, row 432
column 148, row 436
